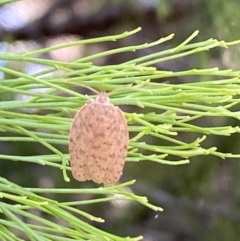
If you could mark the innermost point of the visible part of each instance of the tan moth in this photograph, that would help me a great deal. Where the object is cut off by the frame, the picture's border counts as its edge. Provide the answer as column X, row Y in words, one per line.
column 98, row 142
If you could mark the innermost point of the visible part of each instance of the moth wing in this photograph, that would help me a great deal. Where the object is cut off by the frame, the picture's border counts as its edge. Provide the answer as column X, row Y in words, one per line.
column 77, row 146
column 99, row 142
column 118, row 150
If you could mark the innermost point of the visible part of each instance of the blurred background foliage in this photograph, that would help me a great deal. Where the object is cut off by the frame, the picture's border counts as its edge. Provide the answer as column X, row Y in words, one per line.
column 201, row 200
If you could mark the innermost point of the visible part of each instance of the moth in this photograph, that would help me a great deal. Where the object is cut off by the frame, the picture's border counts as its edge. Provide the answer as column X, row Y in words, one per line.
column 98, row 142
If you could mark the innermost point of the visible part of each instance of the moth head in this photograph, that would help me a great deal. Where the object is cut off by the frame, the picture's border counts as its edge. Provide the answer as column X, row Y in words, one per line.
column 102, row 98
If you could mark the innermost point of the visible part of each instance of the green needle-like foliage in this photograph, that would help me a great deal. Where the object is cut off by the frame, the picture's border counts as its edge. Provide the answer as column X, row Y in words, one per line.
column 158, row 112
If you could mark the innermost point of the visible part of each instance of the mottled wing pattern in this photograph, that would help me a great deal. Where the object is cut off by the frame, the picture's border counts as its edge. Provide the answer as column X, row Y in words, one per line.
column 77, row 147
column 105, row 144
column 98, row 143
column 118, row 149
column 98, row 126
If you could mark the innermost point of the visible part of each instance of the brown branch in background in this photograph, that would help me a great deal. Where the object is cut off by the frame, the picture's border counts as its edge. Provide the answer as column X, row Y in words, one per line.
column 66, row 17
